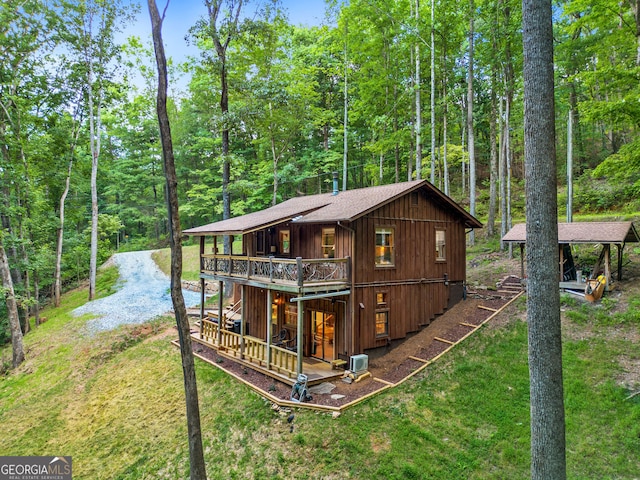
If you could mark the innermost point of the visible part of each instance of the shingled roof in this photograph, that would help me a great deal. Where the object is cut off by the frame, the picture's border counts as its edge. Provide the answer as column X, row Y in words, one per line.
column 583, row 232
column 345, row 206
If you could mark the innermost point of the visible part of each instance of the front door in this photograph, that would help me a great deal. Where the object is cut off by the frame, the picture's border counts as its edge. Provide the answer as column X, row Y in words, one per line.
column 323, row 331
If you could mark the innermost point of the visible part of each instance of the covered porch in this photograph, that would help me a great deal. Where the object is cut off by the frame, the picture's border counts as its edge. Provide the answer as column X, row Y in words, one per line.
column 270, row 357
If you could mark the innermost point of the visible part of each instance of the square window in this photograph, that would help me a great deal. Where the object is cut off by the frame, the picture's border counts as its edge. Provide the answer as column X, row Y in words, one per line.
column 384, row 247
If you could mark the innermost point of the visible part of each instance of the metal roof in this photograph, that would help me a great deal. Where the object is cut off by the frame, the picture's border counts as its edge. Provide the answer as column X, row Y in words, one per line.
column 327, row 208
column 583, row 232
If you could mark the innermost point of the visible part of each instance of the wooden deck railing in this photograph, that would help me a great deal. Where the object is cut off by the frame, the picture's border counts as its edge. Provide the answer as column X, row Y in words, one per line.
column 255, row 350
column 278, row 270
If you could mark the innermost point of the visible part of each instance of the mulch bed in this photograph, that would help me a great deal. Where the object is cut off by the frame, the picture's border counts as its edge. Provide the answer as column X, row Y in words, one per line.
column 391, row 368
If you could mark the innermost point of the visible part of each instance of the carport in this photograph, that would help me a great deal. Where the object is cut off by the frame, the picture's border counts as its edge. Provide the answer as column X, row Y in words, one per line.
column 604, row 233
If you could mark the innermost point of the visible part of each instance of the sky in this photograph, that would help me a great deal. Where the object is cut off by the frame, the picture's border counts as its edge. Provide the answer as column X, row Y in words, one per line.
column 182, row 15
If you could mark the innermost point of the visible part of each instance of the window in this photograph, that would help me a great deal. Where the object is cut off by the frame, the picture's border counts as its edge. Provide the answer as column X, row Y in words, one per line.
column 382, row 315
column 382, row 324
column 285, row 241
column 260, row 242
column 384, row 247
column 441, row 245
column 291, row 314
column 328, row 242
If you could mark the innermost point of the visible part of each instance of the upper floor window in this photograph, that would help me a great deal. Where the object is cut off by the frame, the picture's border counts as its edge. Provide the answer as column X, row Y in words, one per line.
column 285, row 241
column 441, row 243
column 328, row 242
column 385, row 247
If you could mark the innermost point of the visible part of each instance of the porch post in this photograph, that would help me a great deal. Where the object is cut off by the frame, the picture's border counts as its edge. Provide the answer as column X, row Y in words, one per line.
column 607, row 265
column 220, row 314
column 299, row 336
column 620, row 248
column 242, row 321
column 521, row 261
column 268, row 329
column 201, row 284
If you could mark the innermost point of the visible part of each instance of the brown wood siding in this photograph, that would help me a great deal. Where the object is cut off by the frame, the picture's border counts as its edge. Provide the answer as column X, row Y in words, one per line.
column 415, row 284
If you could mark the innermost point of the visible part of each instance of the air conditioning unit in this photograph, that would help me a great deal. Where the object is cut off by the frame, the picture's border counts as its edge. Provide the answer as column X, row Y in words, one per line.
column 359, row 364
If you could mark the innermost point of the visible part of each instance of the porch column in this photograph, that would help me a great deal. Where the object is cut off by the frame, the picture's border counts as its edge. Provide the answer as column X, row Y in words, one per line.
column 521, row 261
column 242, row 320
column 299, row 336
column 201, row 285
column 607, row 265
column 620, row 248
column 268, row 329
column 220, row 315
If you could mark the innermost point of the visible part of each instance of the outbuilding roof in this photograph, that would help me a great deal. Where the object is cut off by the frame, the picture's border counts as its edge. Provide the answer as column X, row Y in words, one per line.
column 344, row 206
column 583, row 232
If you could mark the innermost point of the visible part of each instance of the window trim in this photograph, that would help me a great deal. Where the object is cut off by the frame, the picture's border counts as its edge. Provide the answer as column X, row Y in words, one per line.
column 389, row 230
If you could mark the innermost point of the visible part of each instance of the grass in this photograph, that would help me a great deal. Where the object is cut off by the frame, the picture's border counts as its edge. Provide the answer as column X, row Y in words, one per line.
column 190, row 261
column 114, row 402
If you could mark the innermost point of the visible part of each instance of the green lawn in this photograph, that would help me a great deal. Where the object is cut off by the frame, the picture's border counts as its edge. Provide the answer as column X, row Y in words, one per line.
column 114, row 402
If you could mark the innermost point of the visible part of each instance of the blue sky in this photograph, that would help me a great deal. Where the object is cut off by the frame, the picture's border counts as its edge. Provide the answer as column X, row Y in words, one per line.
column 182, row 14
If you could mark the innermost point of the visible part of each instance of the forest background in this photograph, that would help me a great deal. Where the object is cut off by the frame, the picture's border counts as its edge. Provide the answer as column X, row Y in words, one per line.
column 384, row 92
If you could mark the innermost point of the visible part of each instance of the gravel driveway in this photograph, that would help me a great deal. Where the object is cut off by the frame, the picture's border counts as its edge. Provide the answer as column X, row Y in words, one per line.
column 143, row 293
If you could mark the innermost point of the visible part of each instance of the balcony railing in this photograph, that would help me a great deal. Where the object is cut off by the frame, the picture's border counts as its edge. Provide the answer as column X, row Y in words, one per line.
column 297, row 271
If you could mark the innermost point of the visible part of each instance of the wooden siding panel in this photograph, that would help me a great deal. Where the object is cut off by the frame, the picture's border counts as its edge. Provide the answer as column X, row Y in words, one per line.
column 412, row 303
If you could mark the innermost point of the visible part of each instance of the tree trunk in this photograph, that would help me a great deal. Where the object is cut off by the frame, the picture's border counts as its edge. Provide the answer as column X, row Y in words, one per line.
column 470, row 132
column 502, row 175
column 493, row 161
column 543, row 299
column 12, row 309
column 94, row 141
column 445, row 113
column 196, row 453
column 221, row 45
column 57, row 274
column 345, row 138
column 418, row 101
column 433, row 93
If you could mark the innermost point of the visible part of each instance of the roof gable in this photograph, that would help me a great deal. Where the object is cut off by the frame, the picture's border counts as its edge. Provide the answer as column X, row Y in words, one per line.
column 326, row 207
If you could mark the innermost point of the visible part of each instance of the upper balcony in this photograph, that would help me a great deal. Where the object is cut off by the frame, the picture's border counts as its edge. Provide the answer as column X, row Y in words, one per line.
column 293, row 275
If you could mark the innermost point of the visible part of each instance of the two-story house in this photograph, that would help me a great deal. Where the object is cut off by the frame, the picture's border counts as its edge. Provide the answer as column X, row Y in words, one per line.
column 323, row 277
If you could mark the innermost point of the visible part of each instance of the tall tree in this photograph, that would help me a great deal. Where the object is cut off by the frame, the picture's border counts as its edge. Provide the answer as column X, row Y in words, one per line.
column 222, row 29
column 543, row 299
column 12, row 307
column 433, row 92
column 471, row 144
column 417, row 93
column 91, row 33
column 196, row 453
